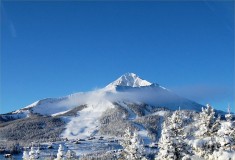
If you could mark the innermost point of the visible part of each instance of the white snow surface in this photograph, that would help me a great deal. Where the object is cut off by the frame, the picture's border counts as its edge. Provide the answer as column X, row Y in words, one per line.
column 87, row 121
column 161, row 113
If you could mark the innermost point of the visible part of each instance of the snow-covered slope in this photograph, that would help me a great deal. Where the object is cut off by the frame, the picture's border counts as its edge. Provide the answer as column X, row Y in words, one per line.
column 129, row 88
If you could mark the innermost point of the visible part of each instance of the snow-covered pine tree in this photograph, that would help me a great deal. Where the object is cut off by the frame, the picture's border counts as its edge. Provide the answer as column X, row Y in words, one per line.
column 166, row 146
column 229, row 116
column 25, row 155
column 38, row 152
column 34, row 153
column 60, row 153
column 70, row 155
column 206, row 121
column 205, row 143
column 216, row 126
column 226, row 132
column 171, row 144
column 131, row 145
column 225, row 139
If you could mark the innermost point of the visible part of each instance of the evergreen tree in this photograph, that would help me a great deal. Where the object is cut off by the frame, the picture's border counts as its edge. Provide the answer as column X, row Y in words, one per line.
column 25, row 155
column 206, row 136
column 225, row 138
column 131, row 145
column 34, row 153
column 171, row 144
column 226, row 132
column 166, row 146
column 60, row 153
column 206, row 121
column 70, row 155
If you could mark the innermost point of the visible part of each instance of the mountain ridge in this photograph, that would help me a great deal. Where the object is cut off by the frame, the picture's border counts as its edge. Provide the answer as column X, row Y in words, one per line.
column 129, row 94
column 128, row 87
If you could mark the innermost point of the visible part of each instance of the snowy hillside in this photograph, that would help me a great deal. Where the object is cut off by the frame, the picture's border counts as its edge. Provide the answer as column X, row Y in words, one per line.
column 127, row 90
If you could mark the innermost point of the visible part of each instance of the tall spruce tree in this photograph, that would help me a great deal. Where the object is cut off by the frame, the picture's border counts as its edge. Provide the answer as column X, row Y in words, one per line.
column 206, row 136
column 60, row 153
column 226, row 132
column 132, row 147
column 206, row 121
column 171, row 144
column 25, row 155
column 34, row 153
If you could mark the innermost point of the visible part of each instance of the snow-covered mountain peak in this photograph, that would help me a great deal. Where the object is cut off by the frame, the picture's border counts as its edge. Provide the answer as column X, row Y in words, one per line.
column 130, row 80
column 128, row 95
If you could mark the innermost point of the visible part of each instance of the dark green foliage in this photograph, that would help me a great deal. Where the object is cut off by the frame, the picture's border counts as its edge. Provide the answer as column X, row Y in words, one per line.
column 113, row 121
column 5, row 118
column 151, row 123
column 34, row 128
column 139, row 110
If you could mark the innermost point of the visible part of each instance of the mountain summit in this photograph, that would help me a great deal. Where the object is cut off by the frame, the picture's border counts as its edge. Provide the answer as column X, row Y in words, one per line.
column 130, row 80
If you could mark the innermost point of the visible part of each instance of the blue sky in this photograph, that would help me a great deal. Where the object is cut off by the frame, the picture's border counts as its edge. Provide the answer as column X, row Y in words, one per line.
column 51, row 49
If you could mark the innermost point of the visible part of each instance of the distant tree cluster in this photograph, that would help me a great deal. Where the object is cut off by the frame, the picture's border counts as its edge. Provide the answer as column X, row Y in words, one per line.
column 151, row 123
column 113, row 121
column 33, row 128
column 24, row 131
